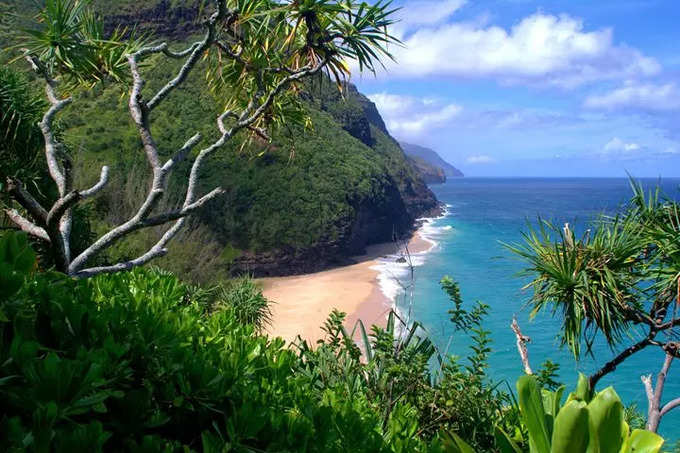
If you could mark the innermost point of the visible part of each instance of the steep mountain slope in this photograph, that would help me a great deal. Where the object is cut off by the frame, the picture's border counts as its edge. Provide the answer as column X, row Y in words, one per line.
column 310, row 199
column 431, row 157
column 429, row 173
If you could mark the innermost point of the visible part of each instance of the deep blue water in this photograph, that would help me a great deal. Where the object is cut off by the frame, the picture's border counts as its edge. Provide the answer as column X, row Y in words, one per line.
column 482, row 213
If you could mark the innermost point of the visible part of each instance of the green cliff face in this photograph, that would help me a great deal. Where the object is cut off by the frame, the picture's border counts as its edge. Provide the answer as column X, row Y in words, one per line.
column 431, row 157
column 429, row 173
column 310, row 199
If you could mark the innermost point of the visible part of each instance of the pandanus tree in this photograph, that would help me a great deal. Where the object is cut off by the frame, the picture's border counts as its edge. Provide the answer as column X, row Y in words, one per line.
column 619, row 281
column 255, row 53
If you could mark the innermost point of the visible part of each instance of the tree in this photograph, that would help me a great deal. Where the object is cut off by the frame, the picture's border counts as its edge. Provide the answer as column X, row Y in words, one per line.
column 257, row 52
column 620, row 280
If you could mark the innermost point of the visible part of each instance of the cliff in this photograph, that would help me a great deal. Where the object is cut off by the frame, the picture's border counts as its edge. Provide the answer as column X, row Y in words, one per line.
column 430, row 156
column 429, row 173
column 307, row 201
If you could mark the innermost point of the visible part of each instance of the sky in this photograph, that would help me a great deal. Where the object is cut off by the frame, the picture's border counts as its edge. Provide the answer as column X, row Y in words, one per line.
column 536, row 88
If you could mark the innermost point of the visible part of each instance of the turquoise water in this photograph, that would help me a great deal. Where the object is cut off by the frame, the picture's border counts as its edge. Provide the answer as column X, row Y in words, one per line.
column 481, row 213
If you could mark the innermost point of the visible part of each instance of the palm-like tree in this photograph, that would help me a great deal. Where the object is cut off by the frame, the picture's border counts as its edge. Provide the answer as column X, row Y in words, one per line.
column 620, row 280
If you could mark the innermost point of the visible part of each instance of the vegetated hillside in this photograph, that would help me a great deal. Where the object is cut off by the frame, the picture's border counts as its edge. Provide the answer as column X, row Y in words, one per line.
column 429, row 173
column 311, row 199
column 431, row 157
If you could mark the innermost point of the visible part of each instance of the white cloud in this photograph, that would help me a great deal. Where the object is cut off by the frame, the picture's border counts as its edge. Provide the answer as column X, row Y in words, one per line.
column 480, row 159
column 409, row 117
column 632, row 95
column 426, row 12
column 616, row 145
column 540, row 49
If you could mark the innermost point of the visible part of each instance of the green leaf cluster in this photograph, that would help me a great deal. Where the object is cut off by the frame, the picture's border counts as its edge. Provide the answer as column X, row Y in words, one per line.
column 69, row 40
column 620, row 273
column 586, row 422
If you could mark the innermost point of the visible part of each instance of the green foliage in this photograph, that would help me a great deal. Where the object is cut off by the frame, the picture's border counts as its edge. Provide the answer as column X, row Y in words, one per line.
column 586, row 422
column 257, row 51
column 137, row 361
column 70, row 40
column 300, row 194
column 620, row 273
column 17, row 262
column 547, row 375
column 21, row 109
column 590, row 280
column 273, row 39
column 128, row 362
column 403, row 368
column 244, row 298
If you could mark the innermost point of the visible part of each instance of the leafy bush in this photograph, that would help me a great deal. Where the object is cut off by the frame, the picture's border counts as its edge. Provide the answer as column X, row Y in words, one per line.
column 244, row 298
column 587, row 421
column 139, row 361
column 449, row 397
column 131, row 362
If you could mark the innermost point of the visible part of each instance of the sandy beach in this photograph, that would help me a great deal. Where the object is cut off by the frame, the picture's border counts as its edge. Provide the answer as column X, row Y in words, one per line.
column 303, row 302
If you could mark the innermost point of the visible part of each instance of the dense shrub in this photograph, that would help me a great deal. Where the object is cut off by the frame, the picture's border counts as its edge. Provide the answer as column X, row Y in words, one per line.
column 402, row 367
column 140, row 361
column 131, row 362
column 244, row 298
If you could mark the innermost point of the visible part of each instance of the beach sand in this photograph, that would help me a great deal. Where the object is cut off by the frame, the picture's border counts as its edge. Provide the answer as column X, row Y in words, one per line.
column 302, row 303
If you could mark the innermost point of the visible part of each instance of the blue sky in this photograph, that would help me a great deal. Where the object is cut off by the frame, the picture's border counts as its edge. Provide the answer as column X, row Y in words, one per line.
column 537, row 88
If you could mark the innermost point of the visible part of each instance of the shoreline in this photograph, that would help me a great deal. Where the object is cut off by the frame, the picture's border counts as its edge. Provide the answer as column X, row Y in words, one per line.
column 302, row 303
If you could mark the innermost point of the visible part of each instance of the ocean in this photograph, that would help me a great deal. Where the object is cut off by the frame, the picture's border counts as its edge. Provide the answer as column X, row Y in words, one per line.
column 481, row 213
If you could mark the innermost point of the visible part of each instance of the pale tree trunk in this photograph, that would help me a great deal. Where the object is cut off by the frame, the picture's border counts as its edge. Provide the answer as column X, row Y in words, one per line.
column 655, row 410
column 53, row 224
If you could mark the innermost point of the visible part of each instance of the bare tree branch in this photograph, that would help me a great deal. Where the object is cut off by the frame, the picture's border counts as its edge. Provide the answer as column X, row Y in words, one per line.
column 179, row 213
column 51, row 144
column 158, row 250
column 55, row 224
column 669, row 406
column 26, row 225
column 182, row 153
column 247, row 119
column 654, row 410
column 612, row 364
column 16, row 189
column 522, row 341
column 103, row 180
column 194, row 53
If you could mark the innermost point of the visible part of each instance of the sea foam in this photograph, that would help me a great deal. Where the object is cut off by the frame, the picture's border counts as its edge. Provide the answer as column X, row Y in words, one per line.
column 394, row 271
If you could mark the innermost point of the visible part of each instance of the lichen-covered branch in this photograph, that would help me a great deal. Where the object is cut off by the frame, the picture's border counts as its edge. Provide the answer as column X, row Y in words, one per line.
column 51, row 144
column 26, row 225
column 17, row 191
column 139, row 111
column 95, row 189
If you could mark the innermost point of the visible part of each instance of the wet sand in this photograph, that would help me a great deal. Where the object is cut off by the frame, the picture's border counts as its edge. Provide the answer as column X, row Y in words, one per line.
column 302, row 303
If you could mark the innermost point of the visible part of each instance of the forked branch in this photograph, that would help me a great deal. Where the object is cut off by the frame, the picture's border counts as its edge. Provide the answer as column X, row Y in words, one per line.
column 655, row 411
column 53, row 223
